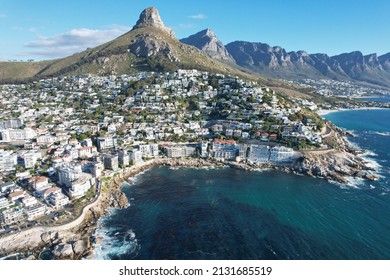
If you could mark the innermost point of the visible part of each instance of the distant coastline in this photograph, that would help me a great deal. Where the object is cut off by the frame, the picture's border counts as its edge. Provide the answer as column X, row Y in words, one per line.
column 324, row 112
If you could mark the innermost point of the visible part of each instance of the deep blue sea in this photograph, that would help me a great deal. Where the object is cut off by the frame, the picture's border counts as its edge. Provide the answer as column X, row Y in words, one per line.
column 227, row 214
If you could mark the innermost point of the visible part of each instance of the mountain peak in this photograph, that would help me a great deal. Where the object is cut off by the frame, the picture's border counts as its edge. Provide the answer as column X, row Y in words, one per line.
column 207, row 41
column 208, row 32
column 151, row 18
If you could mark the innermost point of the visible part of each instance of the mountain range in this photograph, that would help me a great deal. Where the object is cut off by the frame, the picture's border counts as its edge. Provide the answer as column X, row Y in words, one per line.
column 148, row 46
column 151, row 46
column 276, row 62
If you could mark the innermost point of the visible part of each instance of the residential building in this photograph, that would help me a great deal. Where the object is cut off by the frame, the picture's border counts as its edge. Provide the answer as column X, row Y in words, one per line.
column 87, row 152
column 11, row 123
column 35, row 211
column 79, row 187
column 224, row 149
column 135, row 156
column 9, row 135
column 97, row 169
column 180, row 151
column 111, row 162
column 69, row 173
column 8, row 160
column 281, row 154
column 259, row 154
column 39, row 183
column 55, row 197
column 104, row 143
column 7, row 187
column 28, row 158
column 203, row 148
column 86, row 142
column 46, row 140
column 149, row 150
column 29, row 201
column 4, row 203
column 14, row 196
column 243, row 151
column 12, row 215
column 123, row 157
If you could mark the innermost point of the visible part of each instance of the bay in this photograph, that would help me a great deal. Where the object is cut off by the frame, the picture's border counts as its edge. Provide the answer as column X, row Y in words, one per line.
column 225, row 213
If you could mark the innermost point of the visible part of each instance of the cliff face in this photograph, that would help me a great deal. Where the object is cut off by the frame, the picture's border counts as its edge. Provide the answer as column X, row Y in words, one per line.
column 277, row 62
column 207, row 41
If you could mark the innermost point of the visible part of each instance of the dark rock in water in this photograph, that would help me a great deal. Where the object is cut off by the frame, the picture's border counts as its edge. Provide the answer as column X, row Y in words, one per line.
column 371, row 177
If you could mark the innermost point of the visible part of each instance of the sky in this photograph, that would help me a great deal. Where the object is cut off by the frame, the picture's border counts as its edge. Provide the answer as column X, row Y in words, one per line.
column 43, row 30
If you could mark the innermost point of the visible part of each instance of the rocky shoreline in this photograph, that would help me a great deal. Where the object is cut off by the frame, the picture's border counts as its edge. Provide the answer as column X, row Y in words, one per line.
column 75, row 242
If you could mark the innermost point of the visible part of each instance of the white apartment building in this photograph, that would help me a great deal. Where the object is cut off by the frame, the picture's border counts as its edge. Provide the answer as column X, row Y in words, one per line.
column 8, row 160
column 149, row 150
column 281, row 154
column 259, row 154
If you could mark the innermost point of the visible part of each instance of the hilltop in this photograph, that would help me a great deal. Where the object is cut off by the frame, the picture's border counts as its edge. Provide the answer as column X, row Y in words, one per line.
column 149, row 46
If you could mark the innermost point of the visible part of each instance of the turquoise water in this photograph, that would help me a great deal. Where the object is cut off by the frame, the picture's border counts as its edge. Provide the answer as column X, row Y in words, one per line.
column 232, row 214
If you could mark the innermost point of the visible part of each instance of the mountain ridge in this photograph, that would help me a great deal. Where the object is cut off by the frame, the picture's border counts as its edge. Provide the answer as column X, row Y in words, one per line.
column 278, row 63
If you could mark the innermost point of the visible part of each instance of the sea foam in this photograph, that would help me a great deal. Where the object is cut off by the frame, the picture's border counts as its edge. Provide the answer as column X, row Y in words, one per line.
column 111, row 242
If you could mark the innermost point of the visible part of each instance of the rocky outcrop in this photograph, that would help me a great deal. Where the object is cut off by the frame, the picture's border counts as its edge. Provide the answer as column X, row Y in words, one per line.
column 151, row 18
column 81, row 246
column 208, row 42
column 63, row 251
column 146, row 45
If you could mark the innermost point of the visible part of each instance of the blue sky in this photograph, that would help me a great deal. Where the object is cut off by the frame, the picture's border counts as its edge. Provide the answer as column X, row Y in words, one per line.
column 50, row 29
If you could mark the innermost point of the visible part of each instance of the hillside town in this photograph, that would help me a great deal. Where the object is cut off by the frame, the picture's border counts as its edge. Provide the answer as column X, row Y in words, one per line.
column 327, row 87
column 60, row 138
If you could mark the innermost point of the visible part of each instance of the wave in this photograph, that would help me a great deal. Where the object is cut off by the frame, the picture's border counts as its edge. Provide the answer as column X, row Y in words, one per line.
column 369, row 153
column 111, row 242
column 340, row 185
column 134, row 180
column 355, row 182
column 372, row 163
column 382, row 133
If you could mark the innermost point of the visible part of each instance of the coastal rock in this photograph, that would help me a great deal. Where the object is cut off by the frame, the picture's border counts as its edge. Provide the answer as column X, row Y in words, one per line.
column 63, row 251
column 371, row 177
column 80, row 246
column 46, row 237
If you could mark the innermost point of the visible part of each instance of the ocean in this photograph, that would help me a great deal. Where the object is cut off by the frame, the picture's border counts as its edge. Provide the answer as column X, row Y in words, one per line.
column 225, row 214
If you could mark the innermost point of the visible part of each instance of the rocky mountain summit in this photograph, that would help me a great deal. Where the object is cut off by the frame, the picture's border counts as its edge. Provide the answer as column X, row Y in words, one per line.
column 151, row 18
column 207, row 41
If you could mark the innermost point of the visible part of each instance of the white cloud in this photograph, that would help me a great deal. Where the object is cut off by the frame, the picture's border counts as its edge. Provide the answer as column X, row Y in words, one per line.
column 23, row 29
column 73, row 41
column 187, row 25
column 198, row 16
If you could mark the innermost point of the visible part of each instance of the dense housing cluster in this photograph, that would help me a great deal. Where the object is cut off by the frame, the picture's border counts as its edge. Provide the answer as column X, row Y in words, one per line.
column 61, row 137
